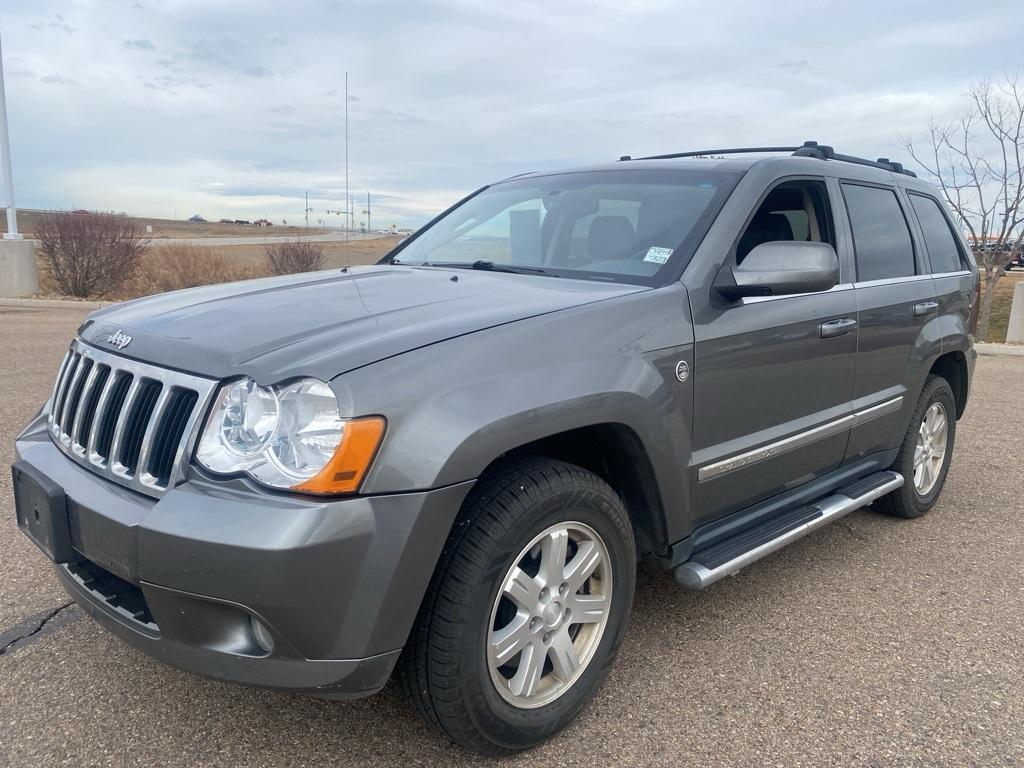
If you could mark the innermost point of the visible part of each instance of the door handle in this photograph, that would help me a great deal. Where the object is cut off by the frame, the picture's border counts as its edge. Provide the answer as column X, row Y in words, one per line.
column 926, row 308
column 837, row 327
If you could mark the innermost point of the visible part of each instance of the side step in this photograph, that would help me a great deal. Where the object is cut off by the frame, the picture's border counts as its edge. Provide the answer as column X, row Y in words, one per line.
column 727, row 557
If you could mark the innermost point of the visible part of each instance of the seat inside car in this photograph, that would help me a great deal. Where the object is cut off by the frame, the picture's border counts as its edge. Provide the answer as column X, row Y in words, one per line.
column 766, row 227
column 768, row 224
column 610, row 237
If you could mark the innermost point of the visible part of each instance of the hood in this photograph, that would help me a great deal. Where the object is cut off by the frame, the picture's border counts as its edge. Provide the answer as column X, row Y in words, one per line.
column 323, row 324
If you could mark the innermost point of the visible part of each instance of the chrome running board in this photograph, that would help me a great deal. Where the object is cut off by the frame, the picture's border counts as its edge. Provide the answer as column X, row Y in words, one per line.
column 727, row 557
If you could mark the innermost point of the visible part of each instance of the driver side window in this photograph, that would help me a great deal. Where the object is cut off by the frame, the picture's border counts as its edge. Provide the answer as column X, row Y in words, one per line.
column 792, row 211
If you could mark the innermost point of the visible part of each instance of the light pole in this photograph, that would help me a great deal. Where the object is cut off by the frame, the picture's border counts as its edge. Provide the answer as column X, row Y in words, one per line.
column 348, row 200
column 5, row 159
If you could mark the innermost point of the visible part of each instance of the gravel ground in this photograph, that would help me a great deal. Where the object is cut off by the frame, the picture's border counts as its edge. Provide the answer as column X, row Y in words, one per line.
column 871, row 642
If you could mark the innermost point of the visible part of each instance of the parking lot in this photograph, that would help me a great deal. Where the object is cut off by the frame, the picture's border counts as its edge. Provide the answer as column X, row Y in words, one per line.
column 870, row 642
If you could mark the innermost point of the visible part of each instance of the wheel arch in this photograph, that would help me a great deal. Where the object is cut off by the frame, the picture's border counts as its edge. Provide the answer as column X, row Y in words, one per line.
column 952, row 366
column 615, row 453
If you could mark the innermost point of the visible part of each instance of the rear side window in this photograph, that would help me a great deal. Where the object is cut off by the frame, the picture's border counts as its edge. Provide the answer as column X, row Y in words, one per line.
column 881, row 238
column 943, row 251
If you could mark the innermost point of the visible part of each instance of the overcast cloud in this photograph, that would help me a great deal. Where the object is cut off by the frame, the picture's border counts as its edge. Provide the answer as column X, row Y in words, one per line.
column 237, row 108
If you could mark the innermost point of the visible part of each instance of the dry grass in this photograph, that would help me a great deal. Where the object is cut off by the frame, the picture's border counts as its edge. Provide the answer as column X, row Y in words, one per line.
column 336, row 254
column 28, row 220
column 293, row 256
column 172, row 267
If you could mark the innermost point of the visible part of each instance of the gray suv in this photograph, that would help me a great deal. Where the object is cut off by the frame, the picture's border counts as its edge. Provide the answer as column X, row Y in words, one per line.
column 450, row 464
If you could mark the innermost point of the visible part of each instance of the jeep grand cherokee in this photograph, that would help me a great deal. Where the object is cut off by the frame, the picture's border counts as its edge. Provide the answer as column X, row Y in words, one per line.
column 451, row 463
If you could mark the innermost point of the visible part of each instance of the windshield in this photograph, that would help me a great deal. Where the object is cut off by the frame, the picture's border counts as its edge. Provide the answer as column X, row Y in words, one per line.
column 630, row 225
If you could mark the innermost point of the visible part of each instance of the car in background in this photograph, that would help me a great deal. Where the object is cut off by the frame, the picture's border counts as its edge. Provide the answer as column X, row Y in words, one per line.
column 197, row 219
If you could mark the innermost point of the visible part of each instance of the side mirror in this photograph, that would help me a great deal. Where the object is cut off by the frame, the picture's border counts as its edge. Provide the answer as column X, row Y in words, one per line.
column 779, row 269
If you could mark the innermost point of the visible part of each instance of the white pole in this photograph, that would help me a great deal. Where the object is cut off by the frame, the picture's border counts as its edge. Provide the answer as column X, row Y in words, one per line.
column 348, row 207
column 5, row 160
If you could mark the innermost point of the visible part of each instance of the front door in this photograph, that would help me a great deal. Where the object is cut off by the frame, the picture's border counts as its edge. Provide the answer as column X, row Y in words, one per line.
column 774, row 375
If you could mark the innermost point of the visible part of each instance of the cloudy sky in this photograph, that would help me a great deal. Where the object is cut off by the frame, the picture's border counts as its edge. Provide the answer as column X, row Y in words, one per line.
column 224, row 108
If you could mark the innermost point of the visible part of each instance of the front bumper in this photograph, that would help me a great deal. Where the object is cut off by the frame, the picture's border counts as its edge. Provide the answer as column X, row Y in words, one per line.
column 337, row 583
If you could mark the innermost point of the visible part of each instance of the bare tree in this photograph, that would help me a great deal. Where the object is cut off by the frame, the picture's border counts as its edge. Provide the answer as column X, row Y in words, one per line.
column 90, row 254
column 975, row 158
column 297, row 256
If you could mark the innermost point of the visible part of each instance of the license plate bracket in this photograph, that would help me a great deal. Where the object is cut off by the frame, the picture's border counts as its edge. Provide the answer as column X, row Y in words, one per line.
column 41, row 508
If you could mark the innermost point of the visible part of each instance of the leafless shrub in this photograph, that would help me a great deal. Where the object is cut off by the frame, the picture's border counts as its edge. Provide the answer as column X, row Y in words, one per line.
column 977, row 160
column 174, row 267
column 296, row 256
column 90, row 254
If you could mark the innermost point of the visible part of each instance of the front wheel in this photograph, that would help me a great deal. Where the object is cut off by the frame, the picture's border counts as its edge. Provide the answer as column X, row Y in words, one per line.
column 527, row 607
column 926, row 452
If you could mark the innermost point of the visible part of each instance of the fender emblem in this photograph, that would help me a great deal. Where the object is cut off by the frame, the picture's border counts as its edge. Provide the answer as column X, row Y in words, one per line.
column 119, row 339
column 682, row 370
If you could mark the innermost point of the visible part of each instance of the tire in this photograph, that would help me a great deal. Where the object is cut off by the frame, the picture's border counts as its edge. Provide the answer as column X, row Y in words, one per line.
column 448, row 670
column 910, row 500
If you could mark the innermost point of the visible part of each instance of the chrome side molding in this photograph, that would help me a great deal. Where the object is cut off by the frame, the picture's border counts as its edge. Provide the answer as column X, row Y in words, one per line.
column 799, row 440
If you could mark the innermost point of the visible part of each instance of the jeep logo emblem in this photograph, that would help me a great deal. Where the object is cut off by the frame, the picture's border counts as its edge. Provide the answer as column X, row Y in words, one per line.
column 119, row 339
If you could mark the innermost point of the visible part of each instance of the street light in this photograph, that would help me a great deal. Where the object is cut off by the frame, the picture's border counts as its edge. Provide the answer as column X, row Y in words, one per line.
column 5, row 160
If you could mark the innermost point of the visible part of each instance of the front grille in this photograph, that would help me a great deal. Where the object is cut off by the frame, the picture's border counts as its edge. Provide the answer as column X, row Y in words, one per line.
column 131, row 422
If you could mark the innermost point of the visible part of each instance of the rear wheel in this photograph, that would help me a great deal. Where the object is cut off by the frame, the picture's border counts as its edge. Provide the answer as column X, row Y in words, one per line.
column 526, row 610
column 926, row 452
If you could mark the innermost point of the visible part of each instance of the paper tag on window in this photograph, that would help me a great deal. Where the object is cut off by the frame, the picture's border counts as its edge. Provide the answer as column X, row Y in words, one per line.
column 658, row 255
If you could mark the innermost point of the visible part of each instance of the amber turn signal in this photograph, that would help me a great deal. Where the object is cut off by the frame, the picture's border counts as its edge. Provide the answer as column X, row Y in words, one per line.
column 344, row 472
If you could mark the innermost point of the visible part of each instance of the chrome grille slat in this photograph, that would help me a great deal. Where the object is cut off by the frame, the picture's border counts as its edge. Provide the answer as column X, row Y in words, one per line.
column 155, row 421
column 76, row 427
column 137, row 424
column 75, row 396
column 122, row 419
column 98, row 420
column 56, row 384
column 65, row 388
column 191, row 428
column 88, row 414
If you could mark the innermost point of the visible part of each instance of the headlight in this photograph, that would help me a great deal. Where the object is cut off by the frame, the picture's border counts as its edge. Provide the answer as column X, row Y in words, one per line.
column 290, row 436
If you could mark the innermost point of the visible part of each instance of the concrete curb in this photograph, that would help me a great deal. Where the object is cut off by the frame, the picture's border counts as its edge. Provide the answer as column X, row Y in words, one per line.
column 1015, row 326
column 1000, row 350
column 52, row 304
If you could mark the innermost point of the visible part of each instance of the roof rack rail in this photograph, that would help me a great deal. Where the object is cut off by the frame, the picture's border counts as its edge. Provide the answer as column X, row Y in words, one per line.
column 807, row 149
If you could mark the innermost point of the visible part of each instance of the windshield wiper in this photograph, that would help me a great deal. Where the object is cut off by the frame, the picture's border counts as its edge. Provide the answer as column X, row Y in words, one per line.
column 482, row 265
column 490, row 266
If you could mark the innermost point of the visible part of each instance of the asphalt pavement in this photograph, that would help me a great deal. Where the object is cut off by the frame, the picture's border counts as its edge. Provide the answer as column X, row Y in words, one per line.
column 872, row 642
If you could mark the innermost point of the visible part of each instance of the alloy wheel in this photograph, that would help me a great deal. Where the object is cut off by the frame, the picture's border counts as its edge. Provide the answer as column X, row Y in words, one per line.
column 931, row 448
column 549, row 615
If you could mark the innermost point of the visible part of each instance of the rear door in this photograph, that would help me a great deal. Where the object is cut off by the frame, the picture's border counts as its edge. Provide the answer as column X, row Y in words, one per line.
column 951, row 274
column 895, row 302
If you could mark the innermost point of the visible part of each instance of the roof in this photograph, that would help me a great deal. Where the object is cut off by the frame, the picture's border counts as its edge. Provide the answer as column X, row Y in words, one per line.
column 807, row 160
